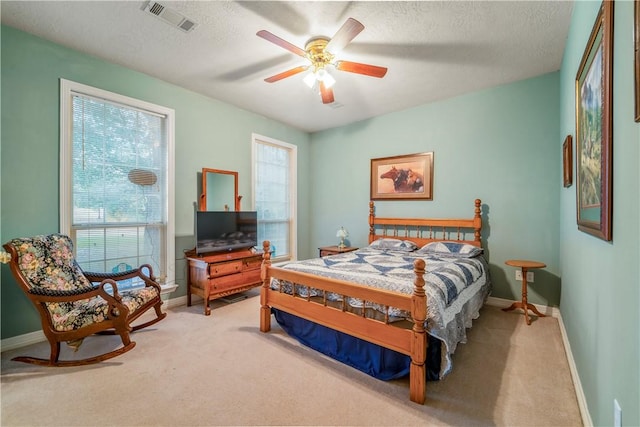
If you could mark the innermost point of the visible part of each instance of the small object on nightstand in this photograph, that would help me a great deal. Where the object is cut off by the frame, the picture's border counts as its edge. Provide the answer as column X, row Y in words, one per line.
column 524, row 265
column 342, row 234
column 335, row 250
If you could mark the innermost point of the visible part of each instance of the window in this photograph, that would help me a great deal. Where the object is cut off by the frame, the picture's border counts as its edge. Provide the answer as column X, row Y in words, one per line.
column 116, row 181
column 274, row 194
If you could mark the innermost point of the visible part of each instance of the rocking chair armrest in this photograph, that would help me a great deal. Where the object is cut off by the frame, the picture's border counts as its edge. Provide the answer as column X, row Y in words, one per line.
column 148, row 279
column 59, row 295
column 93, row 276
column 68, row 295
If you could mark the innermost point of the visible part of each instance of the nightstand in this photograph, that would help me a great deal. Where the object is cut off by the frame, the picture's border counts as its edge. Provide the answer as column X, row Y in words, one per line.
column 334, row 250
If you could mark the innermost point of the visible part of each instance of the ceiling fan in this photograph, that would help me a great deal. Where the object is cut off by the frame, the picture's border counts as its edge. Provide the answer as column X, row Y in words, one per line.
column 320, row 52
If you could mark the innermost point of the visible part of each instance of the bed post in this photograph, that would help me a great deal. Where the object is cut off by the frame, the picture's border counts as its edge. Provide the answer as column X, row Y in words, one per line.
column 372, row 215
column 417, row 370
column 477, row 222
column 265, row 310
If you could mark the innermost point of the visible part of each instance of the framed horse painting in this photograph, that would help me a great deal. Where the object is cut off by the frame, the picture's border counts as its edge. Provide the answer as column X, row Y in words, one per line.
column 402, row 177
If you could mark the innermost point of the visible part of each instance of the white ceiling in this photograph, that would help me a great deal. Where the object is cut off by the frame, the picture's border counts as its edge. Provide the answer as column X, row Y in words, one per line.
column 433, row 50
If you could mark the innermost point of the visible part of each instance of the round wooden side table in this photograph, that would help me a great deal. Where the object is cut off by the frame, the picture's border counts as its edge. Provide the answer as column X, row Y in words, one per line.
column 524, row 265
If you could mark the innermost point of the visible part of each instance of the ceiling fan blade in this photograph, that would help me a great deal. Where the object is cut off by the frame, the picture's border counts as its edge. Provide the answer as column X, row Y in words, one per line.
column 286, row 74
column 280, row 42
column 326, row 93
column 345, row 34
column 366, row 69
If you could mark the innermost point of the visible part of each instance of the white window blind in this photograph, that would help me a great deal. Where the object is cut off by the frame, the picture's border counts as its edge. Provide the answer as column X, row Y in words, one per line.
column 118, row 202
column 274, row 194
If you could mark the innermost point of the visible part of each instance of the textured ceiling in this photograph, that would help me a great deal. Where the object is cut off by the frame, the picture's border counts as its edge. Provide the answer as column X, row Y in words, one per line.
column 433, row 50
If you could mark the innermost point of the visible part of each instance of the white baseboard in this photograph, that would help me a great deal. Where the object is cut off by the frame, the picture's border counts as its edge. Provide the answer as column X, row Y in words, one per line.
column 176, row 302
column 22, row 340
column 555, row 312
column 582, row 399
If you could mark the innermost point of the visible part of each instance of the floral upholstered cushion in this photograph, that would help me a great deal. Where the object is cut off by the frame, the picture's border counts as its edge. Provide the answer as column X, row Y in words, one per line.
column 135, row 298
column 47, row 263
column 68, row 316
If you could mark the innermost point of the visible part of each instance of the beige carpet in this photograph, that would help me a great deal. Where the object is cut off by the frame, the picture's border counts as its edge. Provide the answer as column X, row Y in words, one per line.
column 192, row 370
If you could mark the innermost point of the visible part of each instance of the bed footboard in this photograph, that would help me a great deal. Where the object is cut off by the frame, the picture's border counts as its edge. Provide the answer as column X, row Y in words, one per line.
column 412, row 342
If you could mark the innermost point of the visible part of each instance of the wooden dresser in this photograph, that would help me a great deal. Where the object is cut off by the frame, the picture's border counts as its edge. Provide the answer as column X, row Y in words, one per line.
column 216, row 275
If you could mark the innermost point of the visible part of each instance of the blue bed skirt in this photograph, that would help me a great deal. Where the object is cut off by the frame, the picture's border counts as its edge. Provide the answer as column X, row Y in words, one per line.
column 372, row 359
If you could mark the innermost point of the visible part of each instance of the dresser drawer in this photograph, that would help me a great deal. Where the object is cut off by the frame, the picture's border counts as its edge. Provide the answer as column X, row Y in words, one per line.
column 234, row 281
column 252, row 263
column 252, row 276
column 225, row 268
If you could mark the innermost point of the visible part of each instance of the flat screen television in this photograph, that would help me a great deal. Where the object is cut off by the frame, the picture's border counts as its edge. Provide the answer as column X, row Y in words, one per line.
column 224, row 231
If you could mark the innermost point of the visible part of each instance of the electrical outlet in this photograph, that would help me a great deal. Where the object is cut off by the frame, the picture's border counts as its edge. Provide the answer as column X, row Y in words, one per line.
column 529, row 276
column 617, row 414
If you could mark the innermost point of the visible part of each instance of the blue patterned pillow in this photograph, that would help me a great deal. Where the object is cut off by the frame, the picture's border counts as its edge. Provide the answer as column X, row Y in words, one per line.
column 452, row 249
column 394, row 245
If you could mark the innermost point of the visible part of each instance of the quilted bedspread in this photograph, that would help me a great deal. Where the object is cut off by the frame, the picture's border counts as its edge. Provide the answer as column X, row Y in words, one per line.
column 456, row 288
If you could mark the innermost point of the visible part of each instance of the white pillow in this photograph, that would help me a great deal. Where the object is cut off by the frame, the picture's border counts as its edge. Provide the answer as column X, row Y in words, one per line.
column 451, row 249
column 394, row 245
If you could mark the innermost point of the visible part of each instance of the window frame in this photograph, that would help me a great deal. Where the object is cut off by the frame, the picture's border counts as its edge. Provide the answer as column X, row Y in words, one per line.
column 67, row 89
column 293, row 185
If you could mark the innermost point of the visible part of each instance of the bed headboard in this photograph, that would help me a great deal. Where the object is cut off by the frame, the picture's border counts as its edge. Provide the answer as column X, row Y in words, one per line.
column 424, row 230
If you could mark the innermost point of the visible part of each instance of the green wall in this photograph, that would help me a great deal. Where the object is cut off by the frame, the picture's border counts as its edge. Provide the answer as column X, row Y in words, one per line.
column 499, row 145
column 209, row 133
column 601, row 280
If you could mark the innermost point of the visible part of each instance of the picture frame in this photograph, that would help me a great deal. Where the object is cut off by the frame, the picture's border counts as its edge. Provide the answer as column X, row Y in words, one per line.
column 594, row 136
column 567, row 161
column 407, row 177
column 636, row 46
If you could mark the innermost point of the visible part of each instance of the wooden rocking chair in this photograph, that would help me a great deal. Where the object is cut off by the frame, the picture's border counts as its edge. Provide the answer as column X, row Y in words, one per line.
column 74, row 304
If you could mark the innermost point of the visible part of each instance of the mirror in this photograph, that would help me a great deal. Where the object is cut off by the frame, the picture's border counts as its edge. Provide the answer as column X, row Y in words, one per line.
column 219, row 190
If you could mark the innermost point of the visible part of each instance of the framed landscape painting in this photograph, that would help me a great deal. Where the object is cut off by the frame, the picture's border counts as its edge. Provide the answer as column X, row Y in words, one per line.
column 402, row 177
column 594, row 138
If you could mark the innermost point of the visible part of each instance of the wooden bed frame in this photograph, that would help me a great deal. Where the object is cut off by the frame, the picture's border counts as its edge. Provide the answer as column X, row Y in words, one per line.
column 411, row 342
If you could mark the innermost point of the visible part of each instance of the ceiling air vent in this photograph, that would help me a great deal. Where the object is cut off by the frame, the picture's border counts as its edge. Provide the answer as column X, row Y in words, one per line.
column 170, row 16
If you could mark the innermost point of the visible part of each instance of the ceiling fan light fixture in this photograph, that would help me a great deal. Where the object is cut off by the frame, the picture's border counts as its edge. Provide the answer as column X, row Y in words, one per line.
column 323, row 76
column 329, row 81
column 310, row 80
